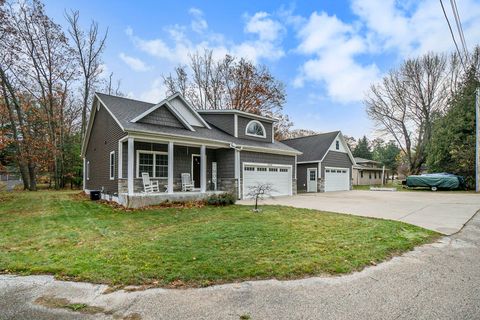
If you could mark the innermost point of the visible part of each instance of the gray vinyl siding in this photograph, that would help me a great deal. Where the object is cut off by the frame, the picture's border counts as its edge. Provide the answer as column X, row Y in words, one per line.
column 302, row 175
column 163, row 117
column 336, row 159
column 258, row 157
column 242, row 125
column 226, row 163
column 104, row 137
column 224, row 122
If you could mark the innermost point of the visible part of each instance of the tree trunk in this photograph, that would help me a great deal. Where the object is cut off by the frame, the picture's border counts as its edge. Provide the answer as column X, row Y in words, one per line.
column 24, row 174
column 32, row 175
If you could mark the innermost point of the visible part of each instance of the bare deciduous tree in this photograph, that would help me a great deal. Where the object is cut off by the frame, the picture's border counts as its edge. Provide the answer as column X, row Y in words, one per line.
column 88, row 49
column 407, row 101
column 229, row 83
column 258, row 192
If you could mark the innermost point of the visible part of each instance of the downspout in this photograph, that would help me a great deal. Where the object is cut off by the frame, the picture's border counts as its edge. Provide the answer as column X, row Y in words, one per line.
column 237, row 165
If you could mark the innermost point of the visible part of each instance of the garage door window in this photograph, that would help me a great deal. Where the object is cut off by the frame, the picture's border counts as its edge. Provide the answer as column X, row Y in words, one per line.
column 273, row 169
column 249, row 168
column 262, row 169
column 283, row 170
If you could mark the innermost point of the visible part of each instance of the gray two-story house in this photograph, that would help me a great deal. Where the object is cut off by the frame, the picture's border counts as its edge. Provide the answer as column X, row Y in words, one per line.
column 222, row 150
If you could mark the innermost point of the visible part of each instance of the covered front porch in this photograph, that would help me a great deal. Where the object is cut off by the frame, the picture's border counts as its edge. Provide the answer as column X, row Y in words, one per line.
column 210, row 166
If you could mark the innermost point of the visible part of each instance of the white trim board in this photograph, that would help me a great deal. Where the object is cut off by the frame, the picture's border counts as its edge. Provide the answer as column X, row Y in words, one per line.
column 155, row 136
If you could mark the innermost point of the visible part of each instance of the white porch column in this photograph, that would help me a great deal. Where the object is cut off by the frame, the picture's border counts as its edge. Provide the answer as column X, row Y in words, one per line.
column 237, row 172
column 120, row 159
column 131, row 166
column 203, row 169
column 170, row 167
column 84, row 173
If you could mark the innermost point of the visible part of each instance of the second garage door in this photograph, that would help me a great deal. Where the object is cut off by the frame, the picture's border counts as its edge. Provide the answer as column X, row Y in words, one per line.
column 337, row 179
column 278, row 176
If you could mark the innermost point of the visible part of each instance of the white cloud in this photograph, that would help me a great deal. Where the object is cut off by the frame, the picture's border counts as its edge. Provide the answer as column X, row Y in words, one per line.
column 155, row 93
column 177, row 46
column 134, row 63
column 266, row 28
column 333, row 46
column 417, row 27
column 198, row 24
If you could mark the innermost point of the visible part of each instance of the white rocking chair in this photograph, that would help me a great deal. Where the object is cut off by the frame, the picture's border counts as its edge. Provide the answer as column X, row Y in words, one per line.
column 187, row 183
column 148, row 185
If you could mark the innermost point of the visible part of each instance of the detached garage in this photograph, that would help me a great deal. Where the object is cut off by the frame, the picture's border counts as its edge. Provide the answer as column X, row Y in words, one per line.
column 326, row 162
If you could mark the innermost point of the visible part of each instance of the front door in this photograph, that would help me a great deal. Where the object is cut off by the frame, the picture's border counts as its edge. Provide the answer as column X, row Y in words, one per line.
column 312, row 180
column 196, row 170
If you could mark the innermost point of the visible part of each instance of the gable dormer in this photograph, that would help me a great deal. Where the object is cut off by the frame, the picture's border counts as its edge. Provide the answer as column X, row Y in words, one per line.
column 241, row 124
column 174, row 111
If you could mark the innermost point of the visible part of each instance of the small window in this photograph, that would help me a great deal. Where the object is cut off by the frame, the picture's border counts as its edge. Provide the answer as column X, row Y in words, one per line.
column 375, row 175
column 283, row 170
column 88, row 170
column 339, row 171
column 112, row 165
column 262, row 169
column 337, row 145
column 361, row 174
column 273, row 169
column 344, row 171
column 313, row 175
column 256, row 129
column 249, row 168
column 328, row 170
column 369, row 175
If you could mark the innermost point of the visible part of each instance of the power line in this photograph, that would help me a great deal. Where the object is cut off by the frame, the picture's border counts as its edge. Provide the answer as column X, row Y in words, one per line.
column 453, row 36
column 458, row 22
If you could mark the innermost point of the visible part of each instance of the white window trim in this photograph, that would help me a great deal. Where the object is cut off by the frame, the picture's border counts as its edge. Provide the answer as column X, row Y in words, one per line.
column 256, row 135
column 149, row 152
column 88, row 170
column 112, row 174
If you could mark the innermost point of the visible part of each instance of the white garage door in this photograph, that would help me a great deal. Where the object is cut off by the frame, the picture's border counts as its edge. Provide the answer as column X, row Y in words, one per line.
column 337, row 179
column 278, row 176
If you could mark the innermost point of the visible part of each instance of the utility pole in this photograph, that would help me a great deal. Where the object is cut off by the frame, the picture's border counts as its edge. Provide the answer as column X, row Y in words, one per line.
column 477, row 142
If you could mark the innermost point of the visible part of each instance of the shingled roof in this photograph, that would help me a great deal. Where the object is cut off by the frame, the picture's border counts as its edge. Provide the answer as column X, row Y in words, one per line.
column 313, row 147
column 125, row 110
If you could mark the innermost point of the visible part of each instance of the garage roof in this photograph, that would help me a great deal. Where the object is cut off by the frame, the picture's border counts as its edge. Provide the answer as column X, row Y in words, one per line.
column 314, row 147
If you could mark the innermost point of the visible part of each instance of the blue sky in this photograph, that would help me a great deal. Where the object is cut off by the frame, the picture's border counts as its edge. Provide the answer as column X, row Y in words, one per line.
column 326, row 52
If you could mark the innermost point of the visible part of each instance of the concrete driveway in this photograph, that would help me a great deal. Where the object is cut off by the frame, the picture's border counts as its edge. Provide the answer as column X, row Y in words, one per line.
column 444, row 212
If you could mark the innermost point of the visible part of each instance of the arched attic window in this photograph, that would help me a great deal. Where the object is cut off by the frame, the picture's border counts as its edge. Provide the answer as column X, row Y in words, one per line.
column 255, row 129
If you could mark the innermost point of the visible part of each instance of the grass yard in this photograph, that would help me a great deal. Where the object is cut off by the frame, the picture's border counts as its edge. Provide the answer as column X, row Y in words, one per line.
column 58, row 233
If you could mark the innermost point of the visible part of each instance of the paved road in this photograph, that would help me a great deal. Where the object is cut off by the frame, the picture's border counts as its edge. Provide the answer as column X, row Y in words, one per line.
column 444, row 212
column 437, row 281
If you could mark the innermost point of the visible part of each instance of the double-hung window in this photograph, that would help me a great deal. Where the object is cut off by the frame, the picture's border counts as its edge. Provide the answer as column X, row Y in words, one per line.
column 153, row 163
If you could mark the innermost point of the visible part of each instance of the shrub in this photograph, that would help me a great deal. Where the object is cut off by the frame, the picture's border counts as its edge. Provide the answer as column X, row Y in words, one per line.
column 224, row 199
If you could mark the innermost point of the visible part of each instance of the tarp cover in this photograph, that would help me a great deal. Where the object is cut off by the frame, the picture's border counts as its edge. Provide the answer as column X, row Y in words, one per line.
column 439, row 180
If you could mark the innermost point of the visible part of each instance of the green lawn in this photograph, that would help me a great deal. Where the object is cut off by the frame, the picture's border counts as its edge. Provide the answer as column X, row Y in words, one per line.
column 58, row 233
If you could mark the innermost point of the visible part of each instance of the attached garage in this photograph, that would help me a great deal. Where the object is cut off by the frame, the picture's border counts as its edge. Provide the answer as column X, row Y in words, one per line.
column 337, row 179
column 277, row 175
